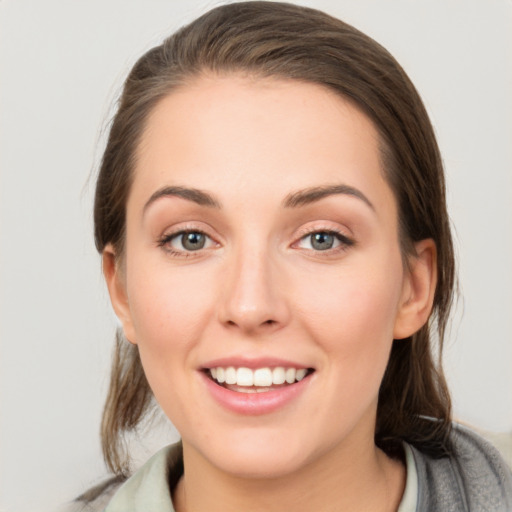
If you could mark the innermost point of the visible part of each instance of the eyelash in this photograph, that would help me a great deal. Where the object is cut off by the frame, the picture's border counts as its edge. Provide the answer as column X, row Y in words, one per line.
column 165, row 240
column 344, row 242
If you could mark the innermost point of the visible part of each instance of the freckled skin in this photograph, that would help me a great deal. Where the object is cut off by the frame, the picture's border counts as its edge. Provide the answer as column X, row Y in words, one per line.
column 258, row 288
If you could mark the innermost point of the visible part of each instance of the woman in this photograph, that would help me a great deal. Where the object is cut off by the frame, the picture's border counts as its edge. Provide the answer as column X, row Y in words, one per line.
column 271, row 216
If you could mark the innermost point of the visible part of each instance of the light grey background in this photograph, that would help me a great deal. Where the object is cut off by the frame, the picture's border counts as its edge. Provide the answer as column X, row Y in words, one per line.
column 62, row 64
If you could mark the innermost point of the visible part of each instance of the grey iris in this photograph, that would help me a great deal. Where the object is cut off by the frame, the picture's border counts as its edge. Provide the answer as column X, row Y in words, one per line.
column 322, row 241
column 193, row 241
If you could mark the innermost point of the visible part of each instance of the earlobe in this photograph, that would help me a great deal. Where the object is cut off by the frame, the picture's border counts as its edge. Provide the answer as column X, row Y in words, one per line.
column 418, row 290
column 116, row 285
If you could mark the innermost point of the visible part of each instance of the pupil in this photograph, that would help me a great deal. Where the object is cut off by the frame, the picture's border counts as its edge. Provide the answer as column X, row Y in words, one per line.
column 193, row 241
column 322, row 241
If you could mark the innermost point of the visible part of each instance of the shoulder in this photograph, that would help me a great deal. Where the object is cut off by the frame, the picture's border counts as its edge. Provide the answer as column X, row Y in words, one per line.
column 473, row 477
column 147, row 488
column 502, row 441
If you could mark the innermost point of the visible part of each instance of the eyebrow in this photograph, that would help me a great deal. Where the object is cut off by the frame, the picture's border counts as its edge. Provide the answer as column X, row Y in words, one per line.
column 190, row 194
column 313, row 194
column 293, row 200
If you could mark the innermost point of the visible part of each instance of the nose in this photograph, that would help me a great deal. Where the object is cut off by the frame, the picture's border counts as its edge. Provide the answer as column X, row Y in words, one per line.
column 254, row 298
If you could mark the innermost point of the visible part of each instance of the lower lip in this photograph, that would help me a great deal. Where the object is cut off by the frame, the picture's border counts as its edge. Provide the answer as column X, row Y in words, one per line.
column 255, row 403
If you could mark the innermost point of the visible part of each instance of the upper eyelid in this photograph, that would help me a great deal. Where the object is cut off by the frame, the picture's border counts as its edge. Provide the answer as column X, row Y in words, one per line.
column 167, row 236
column 319, row 228
column 187, row 227
column 181, row 231
column 170, row 234
column 341, row 236
column 345, row 239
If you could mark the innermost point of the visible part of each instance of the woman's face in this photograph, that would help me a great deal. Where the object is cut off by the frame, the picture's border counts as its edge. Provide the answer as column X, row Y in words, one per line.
column 262, row 245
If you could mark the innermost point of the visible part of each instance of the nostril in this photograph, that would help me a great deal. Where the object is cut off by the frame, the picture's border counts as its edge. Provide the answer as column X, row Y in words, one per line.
column 266, row 322
column 252, row 326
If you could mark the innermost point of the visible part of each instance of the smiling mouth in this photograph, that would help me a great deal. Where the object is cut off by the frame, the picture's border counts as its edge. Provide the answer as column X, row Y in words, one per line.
column 259, row 380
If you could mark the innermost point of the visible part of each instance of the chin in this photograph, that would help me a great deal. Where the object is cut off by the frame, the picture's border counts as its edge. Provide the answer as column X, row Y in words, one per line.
column 256, row 456
column 261, row 465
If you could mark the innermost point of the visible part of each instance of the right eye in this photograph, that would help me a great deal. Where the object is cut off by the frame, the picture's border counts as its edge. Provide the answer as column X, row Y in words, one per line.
column 186, row 241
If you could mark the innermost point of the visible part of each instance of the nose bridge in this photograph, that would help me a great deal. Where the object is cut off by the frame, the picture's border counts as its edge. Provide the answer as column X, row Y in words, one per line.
column 252, row 298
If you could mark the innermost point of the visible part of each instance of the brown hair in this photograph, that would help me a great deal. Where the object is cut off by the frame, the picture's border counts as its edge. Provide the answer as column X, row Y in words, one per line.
column 270, row 39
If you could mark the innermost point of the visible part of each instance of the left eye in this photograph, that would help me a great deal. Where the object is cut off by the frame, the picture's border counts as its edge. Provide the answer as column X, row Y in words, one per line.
column 189, row 241
column 323, row 241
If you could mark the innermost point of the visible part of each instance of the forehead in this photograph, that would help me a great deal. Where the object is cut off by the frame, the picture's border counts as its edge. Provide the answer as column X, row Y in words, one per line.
column 260, row 135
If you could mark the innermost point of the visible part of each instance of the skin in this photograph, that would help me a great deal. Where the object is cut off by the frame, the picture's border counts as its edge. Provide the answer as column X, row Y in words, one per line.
column 259, row 288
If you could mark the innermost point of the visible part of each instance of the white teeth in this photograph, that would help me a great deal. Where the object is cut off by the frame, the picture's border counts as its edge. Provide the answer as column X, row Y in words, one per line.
column 290, row 375
column 262, row 378
column 300, row 374
column 278, row 375
column 230, row 375
column 244, row 377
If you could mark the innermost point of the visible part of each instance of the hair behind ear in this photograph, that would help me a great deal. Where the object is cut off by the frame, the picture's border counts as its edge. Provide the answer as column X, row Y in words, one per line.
column 128, row 399
column 414, row 401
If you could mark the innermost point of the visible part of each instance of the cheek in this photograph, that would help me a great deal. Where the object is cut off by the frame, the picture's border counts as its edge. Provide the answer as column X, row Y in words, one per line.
column 352, row 321
column 169, row 308
column 352, row 313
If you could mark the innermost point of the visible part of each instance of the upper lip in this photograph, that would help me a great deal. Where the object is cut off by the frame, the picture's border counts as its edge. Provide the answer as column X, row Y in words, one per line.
column 253, row 363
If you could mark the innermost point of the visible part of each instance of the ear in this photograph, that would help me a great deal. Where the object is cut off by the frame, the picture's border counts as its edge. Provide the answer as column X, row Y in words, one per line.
column 116, row 284
column 418, row 290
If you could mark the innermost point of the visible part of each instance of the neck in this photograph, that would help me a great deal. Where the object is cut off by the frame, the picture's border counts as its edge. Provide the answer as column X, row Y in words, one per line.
column 347, row 478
